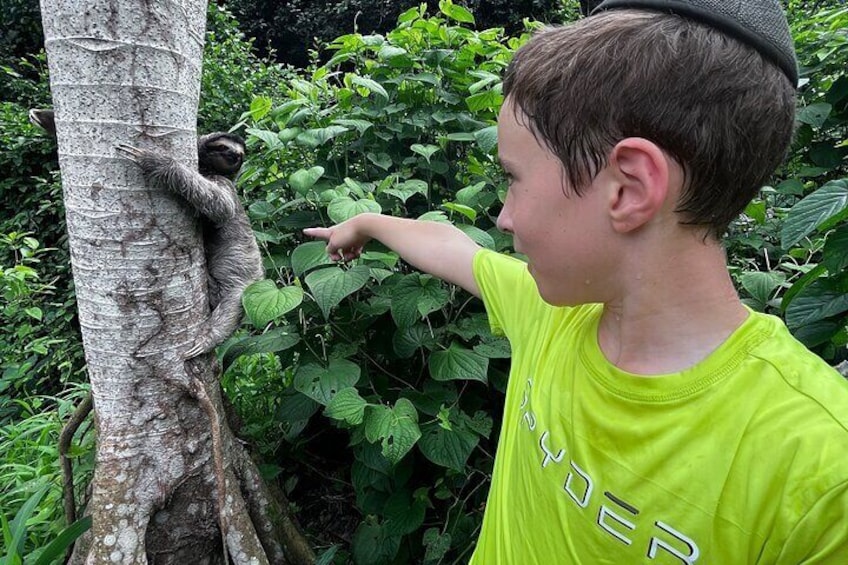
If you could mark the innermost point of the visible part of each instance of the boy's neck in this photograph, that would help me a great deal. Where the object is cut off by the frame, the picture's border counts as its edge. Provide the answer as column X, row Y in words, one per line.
column 675, row 310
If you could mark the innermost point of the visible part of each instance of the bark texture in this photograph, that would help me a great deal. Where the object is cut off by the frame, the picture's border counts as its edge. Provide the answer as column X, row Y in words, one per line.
column 128, row 71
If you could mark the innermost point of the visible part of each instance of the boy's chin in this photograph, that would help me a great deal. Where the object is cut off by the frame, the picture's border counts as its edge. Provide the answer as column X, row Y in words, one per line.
column 554, row 293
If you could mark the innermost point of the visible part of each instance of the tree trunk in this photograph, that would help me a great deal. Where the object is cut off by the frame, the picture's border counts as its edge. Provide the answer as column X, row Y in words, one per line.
column 169, row 476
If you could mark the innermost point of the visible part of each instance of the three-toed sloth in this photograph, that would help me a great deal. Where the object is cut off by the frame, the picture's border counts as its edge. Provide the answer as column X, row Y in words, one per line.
column 233, row 260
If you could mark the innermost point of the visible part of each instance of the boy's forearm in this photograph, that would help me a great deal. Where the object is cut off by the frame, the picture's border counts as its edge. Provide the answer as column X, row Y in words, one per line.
column 439, row 249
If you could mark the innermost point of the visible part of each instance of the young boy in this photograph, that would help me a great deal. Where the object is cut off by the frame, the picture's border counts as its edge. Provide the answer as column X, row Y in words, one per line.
column 650, row 417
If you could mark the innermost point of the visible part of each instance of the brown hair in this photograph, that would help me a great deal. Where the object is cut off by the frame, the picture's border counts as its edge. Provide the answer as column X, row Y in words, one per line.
column 711, row 102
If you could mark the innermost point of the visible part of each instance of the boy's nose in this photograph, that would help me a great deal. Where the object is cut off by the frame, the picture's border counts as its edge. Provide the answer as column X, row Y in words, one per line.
column 504, row 222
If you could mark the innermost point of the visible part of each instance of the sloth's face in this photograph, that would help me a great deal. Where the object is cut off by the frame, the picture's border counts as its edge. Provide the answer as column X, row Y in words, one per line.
column 222, row 156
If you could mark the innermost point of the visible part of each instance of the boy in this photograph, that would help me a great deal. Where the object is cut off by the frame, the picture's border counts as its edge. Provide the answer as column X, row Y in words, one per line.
column 650, row 417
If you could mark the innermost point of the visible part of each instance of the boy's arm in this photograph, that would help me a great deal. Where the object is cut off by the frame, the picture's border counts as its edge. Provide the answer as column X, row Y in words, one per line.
column 439, row 249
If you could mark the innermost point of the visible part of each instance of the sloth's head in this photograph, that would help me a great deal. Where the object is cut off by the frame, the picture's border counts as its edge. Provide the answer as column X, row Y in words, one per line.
column 220, row 154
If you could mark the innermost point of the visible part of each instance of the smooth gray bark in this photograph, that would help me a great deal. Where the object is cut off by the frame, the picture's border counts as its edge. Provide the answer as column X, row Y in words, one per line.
column 128, row 71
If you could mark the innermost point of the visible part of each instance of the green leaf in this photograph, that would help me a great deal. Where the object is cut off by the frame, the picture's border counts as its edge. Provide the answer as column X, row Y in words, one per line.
column 396, row 428
column 434, row 216
column 495, row 349
column 294, row 411
column 407, row 341
column 268, row 137
column 404, row 190
column 458, row 136
column 360, row 125
column 328, row 556
column 468, row 195
column 55, row 550
column 309, row 255
column 302, row 180
column 331, row 285
column 403, row 514
column 264, row 302
column 321, row 384
column 817, row 333
column 761, row 285
column 18, row 525
column 382, row 160
column 278, row 339
column 480, row 237
column 456, row 13
column 437, row 545
column 415, row 296
column 370, row 85
column 347, row 405
column 34, row 312
column 388, row 52
column 259, row 107
column 835, row 254
column 372, row 545
column 488, row 100
column 815, row 114
column 815, row 303
column 425, row 151
column 814, row 210
column 792, row 187
column 487, row 138
column 448, row 448
column 466, row 211
column 344, row 208
column 319, row 136
column 458, row 363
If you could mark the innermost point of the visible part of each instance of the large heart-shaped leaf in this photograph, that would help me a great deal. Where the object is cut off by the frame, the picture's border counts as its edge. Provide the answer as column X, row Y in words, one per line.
column 396, row 428
column 322, row 383
column 458, row 363
column 309, row 255
column 448, row 448
column 347, row 405
column 278, row 339
column 416, row 296
column 331, row 285
column 304, row 179
column 344, row 208
column 264, row 302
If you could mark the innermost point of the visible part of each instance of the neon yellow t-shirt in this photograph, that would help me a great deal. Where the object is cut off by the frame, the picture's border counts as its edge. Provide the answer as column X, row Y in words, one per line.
column 742, row 458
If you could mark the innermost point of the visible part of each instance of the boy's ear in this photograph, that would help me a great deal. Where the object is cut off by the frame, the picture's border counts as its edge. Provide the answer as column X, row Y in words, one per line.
column 641, row 174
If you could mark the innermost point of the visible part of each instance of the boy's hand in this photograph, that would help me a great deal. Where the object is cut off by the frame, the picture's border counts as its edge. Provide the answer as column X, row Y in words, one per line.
column 344, row 241
column 439, row 249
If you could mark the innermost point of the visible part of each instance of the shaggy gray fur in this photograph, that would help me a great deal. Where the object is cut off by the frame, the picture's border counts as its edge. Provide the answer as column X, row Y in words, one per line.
column 233, row 260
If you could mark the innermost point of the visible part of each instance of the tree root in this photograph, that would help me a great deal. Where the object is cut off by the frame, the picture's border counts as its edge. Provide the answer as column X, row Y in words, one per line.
column 278, row 532
column 65, row 438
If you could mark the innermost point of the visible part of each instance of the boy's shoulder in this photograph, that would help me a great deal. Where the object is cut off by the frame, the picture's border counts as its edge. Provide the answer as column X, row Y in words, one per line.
column 800, row 373
column 803, row 403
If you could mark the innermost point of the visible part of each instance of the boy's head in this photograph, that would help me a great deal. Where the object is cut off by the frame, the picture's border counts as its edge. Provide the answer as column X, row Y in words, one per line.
column 717, row 97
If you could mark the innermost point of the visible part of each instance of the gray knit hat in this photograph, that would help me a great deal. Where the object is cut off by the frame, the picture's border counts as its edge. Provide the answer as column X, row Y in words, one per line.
column 759, row 23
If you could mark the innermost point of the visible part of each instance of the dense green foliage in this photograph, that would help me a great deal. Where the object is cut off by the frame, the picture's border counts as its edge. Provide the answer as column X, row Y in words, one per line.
column 791, row 246
column 373, row 392
column 293, row 29
column 395, row 365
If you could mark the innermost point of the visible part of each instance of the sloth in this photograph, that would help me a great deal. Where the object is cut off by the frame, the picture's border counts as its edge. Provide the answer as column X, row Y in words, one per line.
column 233, row 260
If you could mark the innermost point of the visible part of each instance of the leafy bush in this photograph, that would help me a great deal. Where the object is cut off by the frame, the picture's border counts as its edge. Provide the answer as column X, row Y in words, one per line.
column 401, row 366
column 293, row 28
column 30, row 470
column 790, row 250
column 232, row 73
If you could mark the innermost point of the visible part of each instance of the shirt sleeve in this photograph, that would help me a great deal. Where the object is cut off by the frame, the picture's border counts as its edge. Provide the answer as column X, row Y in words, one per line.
column 821, row 536
column 508, row 291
